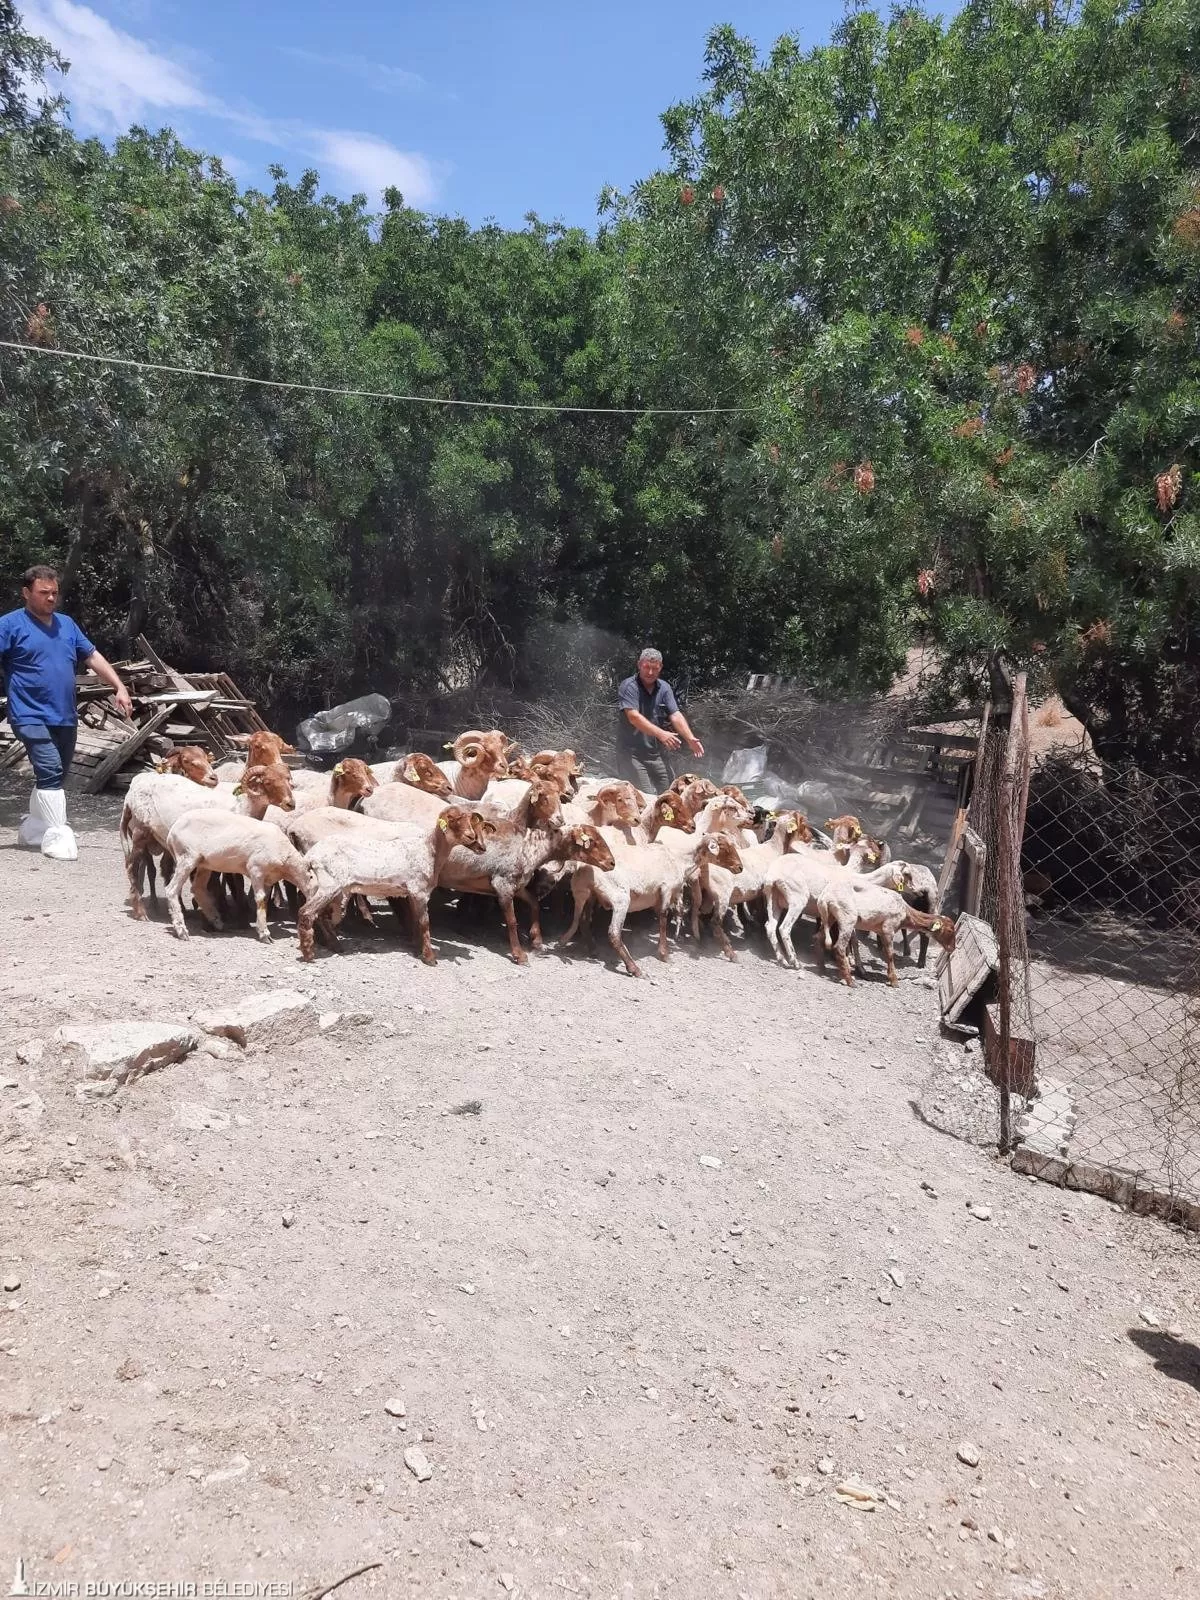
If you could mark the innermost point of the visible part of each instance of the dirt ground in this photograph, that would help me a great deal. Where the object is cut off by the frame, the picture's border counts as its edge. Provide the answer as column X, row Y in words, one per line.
column 627, row 1369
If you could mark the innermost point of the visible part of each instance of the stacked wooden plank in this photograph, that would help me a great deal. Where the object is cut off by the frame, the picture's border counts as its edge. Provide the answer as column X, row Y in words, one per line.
column 169, row 708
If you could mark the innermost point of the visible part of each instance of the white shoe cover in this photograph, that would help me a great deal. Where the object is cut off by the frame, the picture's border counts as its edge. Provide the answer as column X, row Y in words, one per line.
column 58, row 842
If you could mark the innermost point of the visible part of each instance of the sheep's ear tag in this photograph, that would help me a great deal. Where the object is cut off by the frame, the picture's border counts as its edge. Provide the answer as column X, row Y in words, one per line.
column 160, row 766
column 872, row 855
column 338, row 770
column 790, row 826
column 582, row 836
column 936, row 926
column 668, row 814
column 443, row 824
column 410, row 774
column 897, row 882
column 239, row 789
column 449, row 746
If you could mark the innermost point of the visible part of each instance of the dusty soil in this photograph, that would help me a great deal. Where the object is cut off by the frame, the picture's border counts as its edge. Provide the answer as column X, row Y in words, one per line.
column 625, row 1366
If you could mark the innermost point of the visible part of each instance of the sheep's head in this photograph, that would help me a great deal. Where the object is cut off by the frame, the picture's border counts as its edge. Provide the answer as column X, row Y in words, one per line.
column 265, row 749
column 545, row 805
column 733, row 813
column 845, row 830
column 585, row 844
column 350, row 781
column 270, row 783
column 559, row 767
column 618, row 802
column 734, row 793
column 944, row 930
column 483, row 752
column 420, row 771
column 466, row 828
column 720, row 850
column 796, row 830
column 191, row 762
column 669, row 811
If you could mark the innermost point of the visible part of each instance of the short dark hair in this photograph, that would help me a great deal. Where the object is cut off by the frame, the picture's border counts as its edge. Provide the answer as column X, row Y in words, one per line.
column 32, row 575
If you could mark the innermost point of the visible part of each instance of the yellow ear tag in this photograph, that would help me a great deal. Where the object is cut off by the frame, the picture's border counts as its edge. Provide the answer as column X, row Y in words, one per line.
column 338, row 770
column 937, row 926
column 668, row 814
column 443, row 824
column 791, row 825
column 872, row 855
column 239, row 789
column 410, row 774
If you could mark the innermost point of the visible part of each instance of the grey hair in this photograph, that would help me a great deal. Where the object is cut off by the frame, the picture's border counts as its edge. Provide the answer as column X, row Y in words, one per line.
column 650, row 654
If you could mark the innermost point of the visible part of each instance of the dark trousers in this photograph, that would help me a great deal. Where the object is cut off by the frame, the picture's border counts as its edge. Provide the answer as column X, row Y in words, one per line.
column 650, row 773
column 50, row 747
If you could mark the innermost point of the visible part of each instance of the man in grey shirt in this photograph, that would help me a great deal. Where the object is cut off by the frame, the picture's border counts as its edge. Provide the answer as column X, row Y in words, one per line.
column 650, row 726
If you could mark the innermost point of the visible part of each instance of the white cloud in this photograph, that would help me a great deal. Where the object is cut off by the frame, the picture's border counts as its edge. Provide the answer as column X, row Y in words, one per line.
column 376, row 74
column 115, row 79
column 372, row 164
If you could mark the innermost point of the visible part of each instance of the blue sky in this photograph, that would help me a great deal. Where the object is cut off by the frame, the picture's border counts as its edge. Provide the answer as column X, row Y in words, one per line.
column 478, row 109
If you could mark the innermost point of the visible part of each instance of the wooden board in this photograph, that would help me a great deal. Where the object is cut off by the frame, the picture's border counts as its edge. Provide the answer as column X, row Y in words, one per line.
column 1022, row 1048
column 969, row 968
column 125, row 750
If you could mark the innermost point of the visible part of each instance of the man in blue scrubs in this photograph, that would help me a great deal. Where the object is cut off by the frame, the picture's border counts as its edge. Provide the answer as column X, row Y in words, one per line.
column 40, row 651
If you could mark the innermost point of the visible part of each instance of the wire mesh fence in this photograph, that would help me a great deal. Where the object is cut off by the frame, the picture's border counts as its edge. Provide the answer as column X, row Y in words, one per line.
column 1089, row 878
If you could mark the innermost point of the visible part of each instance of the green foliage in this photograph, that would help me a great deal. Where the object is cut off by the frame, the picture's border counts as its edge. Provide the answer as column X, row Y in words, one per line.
column 945, row 275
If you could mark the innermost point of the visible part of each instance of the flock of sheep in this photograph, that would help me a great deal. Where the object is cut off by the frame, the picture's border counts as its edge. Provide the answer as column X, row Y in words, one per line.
column 492, row 821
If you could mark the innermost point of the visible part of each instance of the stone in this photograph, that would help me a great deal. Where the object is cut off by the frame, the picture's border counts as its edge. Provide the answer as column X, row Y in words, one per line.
column 288, row 1219
column 506, row 1581
column 395, row 1407
column 11, row 1283
column 238, row 1466
column 116, row 1053
column 1149, row 1317
column 103, row 1463
column 994, row 1535
column 417, row 1463
column 277, row 1017
column 897, row 1276
column 478, row 1540
column 980, row 1213
column 968, row 1453
column 218, row 1049
column 31, row 1052
column 825, row 1466
column 710, row 1161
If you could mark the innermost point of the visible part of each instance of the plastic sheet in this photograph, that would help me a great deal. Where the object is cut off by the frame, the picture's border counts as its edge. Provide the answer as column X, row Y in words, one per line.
column 336, row 731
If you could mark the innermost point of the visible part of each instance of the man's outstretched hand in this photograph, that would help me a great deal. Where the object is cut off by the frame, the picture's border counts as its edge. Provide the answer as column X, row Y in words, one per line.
column 696, row 748
column 670, row 740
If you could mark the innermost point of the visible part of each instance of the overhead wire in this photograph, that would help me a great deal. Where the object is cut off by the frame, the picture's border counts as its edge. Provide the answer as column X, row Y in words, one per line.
column 373, row 394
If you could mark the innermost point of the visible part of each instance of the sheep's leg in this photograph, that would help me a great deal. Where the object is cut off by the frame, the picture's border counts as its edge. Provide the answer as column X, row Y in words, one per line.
column 890, row 957
column 293, row 898
column 419, row 909
column 922, row 948
column 790, row 917
column 202, row 898
column 696, row 899
column 775, row 905
column 135, row 860
column 843, row 964
column 261, row 891
column 664, row 907
column 620, row 911
column 535, row 925
column 718, row 927
column 173, row 894
column 309, row 912
column 514, row 933
column 581, row 894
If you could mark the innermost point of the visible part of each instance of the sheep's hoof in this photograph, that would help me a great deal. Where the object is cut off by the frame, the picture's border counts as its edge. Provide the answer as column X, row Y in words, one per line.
column 732, row 954
column 182, row 933
column 521, row 958
column 263, row 938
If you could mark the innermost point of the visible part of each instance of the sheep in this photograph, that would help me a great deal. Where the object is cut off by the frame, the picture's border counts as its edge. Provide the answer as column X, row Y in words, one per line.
column 919, row 886
column 263, row 749
column 851, row 907
column 153, row 801
column 613, row 805
column 404, row 866
column 560, row 767
column 792, row 886
column 854, row 848
column 349, row 784
column 642, row 879
column 422, row 772
column 189, row 761
column 514, row 854
column 790, row 833
column 477, row 758
column 205, row 840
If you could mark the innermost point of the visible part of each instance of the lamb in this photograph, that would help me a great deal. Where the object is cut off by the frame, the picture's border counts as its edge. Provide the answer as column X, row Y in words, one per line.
column 154, row 801
column 514, row 854
column 612, row 805
column 793, row 885
column 422, row 772
column 263, row 749
column 642, row 879
column 350, row 782
column 405, row 865
column 854, row 848
column 851, row 907
column 919, row 886
column 759, row 859
column 203, row 841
